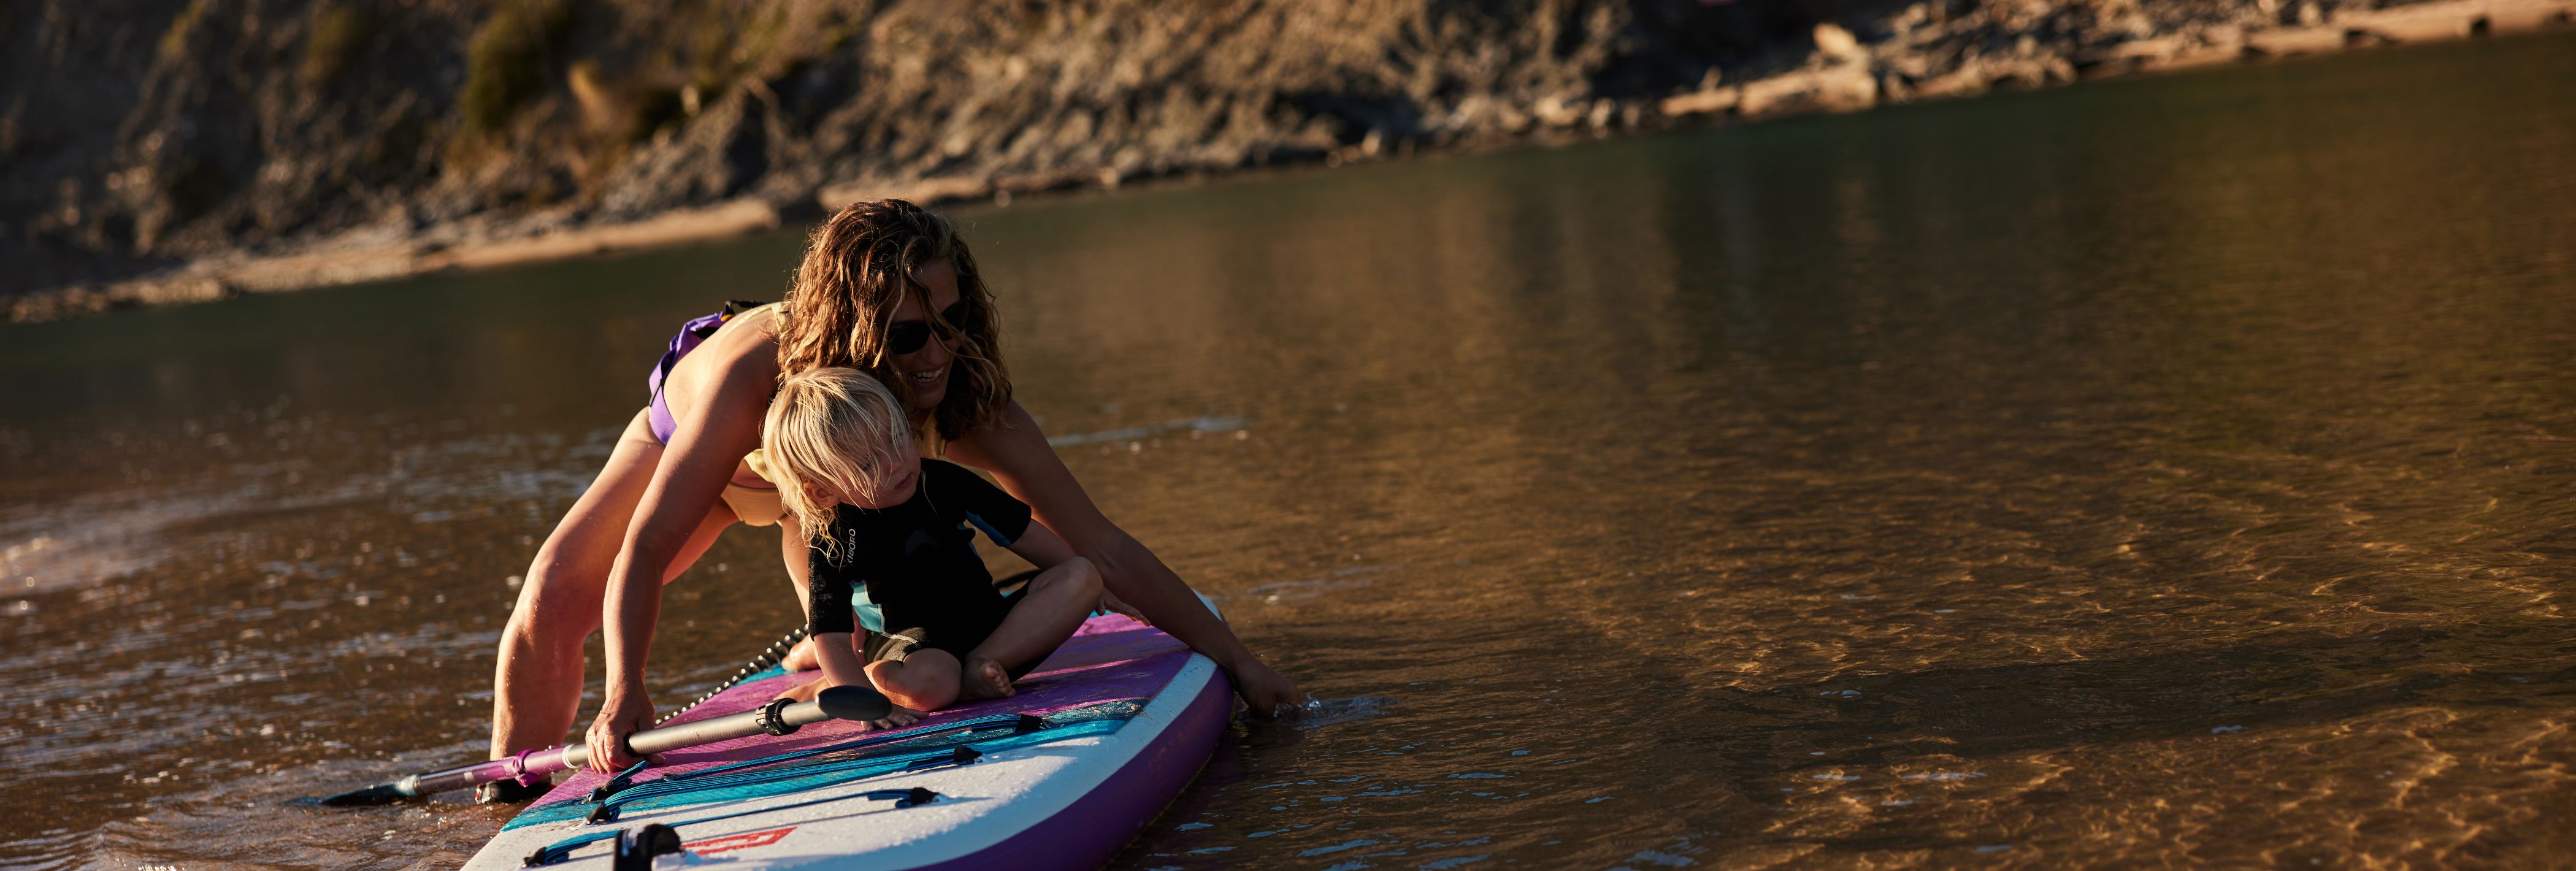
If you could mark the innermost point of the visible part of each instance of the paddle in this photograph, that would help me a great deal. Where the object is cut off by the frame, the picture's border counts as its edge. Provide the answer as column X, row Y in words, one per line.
column 777, row 718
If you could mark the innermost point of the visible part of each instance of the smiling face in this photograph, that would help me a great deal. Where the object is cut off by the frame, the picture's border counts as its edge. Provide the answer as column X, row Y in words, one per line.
column 925, row 371
column 890, row 289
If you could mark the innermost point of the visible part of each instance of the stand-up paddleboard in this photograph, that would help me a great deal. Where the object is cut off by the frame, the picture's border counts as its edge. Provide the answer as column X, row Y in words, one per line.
column 1098, row 739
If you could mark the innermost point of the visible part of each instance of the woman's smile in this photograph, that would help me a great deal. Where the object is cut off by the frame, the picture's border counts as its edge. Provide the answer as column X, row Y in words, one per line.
column 930, row 382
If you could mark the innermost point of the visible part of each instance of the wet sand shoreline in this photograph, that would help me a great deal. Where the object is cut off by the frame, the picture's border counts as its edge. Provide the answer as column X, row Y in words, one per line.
column 1831, row 84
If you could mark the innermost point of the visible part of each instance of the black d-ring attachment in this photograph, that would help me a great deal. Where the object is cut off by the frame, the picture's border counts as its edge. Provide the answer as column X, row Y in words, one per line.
column 959, row 755
column 619, row 783
column 905, row 797
column 637, row 847
column 773, row 719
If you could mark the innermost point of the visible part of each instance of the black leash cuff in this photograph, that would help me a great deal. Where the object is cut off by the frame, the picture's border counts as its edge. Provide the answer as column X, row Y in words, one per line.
column 773, row 718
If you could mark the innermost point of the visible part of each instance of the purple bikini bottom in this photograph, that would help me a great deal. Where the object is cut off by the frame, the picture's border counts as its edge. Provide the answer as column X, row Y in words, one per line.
column 692, row 334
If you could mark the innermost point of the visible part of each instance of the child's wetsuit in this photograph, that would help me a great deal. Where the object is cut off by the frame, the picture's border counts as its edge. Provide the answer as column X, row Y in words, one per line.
column 919, row 563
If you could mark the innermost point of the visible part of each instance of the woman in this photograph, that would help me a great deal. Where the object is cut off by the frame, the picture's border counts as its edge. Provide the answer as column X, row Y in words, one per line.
column 888, row 288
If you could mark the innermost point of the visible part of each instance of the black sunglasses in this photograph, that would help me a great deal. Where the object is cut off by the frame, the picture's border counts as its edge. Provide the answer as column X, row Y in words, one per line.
column 905, row 337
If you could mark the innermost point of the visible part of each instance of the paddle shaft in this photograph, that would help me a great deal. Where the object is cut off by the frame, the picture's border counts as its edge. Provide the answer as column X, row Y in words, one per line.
column 841, row 702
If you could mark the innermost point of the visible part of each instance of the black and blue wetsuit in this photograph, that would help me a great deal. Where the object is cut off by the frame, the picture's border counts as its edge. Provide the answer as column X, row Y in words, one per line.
column 917, row 561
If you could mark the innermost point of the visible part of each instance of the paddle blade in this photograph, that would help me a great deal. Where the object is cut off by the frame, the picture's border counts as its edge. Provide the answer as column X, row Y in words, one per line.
column 854, row 703
column 382, row 793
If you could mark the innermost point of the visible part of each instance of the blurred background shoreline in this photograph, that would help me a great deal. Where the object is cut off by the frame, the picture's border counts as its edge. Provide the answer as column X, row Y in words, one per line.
column 171, row 151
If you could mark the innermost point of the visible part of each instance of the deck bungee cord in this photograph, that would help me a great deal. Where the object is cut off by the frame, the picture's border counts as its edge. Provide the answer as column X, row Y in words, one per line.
column 1018, row 723
column 739, row 787
column 897, row 753
column 762, row 778
column 623, row 790
column 636, row 847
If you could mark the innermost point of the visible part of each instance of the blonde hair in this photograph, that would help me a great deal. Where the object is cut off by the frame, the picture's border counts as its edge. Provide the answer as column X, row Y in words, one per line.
column 836, row 429
column 858, row 268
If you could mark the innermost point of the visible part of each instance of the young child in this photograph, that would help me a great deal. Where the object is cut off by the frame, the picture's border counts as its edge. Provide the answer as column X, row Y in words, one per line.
column 839, row 448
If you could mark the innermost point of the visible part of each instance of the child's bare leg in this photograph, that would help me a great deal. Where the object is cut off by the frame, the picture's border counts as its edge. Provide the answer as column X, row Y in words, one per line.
column 1054, row 605
column 926, row 681
column 804, row 692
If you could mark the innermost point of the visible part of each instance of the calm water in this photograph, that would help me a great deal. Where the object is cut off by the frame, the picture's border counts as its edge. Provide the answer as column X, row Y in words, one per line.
column 2170, row 471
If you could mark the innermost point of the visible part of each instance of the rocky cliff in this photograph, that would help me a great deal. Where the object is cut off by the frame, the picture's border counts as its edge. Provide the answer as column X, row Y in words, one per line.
column 158, row 140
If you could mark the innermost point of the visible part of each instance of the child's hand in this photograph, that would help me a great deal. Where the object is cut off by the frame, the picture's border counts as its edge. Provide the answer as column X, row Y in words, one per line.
column 1115, row 605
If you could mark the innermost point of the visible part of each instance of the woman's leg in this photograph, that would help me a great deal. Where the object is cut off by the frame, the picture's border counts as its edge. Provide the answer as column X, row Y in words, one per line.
column 1054, row 605
column 536, row 685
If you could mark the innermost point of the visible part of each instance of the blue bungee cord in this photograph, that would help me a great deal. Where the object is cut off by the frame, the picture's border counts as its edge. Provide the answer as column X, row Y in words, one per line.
column 614, row 797
column 1019, row 723
column 735, row 782
column 561, row 850
column 823, row 774
column 772, row 776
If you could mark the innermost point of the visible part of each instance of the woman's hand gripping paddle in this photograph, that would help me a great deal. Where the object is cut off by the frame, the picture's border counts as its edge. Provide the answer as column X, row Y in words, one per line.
column 777, row 718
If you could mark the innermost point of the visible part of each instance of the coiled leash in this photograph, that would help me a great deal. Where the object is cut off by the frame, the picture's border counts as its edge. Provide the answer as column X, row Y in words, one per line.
column 758, row 664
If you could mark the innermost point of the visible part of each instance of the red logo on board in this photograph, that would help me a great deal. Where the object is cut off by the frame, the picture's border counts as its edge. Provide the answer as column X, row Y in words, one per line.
column 744, row 841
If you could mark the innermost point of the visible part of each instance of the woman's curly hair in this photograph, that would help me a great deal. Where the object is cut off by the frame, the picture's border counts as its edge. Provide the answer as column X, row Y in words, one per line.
column 858, row 267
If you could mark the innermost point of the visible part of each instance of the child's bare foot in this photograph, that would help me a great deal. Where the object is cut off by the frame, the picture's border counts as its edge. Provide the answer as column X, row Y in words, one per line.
column 901, row 717
column 801, row 657
column 985, row 679
column 805, row 692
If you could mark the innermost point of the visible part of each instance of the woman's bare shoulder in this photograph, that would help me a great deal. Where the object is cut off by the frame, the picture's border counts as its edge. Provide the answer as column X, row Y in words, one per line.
column 1016, row 452
column 750, row 336
column 741, row 358
column 1011, row 444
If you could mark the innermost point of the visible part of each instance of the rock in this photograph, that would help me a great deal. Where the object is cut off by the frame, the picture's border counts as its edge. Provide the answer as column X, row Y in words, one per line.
column 1702, row 102
column 143, row 150
column 1838, row 44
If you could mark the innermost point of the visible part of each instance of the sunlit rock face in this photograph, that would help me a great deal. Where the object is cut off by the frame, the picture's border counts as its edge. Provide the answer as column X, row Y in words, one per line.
column 141, row 134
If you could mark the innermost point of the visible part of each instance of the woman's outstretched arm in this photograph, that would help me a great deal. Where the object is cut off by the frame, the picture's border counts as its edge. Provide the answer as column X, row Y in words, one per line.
column 1017, row 454
column 709, row 443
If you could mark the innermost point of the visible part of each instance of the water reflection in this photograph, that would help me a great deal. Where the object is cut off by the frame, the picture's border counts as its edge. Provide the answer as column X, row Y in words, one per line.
column 2166, row 471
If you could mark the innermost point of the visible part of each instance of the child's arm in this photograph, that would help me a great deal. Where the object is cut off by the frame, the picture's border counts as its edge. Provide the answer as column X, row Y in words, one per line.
column 840, row 660
column 828, row 620
column 1043, row 549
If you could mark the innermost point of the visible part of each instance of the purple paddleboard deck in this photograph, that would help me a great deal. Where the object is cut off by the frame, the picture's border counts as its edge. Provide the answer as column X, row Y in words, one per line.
column 1067, row 799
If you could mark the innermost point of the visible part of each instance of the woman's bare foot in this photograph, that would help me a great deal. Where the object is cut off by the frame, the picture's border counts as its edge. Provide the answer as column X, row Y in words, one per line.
column 985, row 679
column 805, row 692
